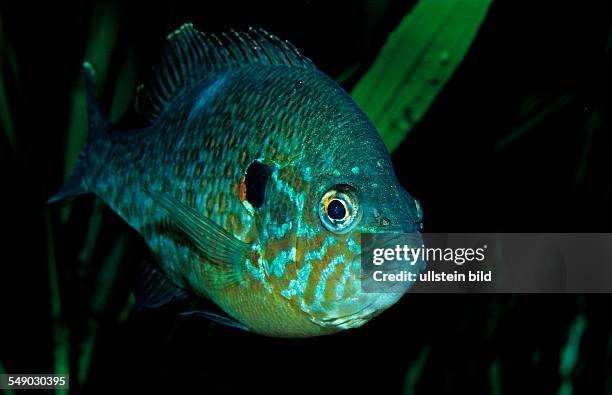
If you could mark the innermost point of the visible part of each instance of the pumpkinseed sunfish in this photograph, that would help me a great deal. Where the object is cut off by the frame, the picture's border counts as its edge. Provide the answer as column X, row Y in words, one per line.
column 252, row 184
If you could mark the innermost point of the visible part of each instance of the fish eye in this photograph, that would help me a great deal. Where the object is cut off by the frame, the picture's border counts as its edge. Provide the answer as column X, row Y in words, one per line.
column 339, row 209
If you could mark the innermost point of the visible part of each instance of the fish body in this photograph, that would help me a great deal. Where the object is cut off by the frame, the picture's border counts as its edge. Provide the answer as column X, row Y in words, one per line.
column 252, row 183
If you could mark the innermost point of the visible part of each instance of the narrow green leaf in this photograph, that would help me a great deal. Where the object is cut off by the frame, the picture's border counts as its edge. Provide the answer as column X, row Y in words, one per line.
column 6, row 118
column 93, row 230
column 102, row 39
column 591, row 125
column 415, row 63
column 8, row 391
column 106, row 279
column 124, row 88
column 415, row 371
column 495, row 378
column 61, row 333
column 106, row 276
column 534, row 118
column 346, row 74
column 127, row 309
column 570, row 353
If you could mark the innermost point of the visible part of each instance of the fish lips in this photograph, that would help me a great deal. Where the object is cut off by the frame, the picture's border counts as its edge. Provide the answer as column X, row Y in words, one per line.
column 390, row 263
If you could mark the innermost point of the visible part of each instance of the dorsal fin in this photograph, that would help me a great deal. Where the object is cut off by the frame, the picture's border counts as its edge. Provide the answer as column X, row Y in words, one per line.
column 190, row 55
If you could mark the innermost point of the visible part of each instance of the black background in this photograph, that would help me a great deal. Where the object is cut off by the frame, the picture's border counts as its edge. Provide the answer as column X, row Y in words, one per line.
column 541, row 67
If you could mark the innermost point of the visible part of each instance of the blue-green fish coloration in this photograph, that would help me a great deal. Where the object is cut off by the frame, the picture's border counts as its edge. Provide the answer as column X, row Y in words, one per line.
column 252, row 184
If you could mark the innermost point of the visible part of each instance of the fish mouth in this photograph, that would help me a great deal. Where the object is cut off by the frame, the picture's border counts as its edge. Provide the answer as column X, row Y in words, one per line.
column 376, row 241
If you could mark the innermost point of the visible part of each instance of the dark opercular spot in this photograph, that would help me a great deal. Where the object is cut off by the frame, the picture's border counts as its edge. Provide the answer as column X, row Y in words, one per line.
column 336, row 210
column 255, row 181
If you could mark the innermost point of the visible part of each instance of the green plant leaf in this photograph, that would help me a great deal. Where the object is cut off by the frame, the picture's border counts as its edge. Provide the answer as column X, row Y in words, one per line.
column 417, row 60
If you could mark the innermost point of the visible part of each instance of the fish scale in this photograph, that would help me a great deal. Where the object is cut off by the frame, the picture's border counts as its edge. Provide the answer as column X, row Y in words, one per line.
column 220, row 107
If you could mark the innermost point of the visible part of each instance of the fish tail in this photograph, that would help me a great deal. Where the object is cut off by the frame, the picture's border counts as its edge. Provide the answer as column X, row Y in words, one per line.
column 97, row 126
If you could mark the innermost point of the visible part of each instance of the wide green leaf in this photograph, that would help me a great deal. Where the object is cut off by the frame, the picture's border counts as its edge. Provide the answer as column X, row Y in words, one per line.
column 415, row 63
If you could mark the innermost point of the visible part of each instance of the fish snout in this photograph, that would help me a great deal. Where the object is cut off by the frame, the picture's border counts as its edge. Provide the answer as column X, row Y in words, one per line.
column 399, row 219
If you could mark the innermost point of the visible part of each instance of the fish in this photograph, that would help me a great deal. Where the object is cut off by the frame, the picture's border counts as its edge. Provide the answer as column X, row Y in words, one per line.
column 251, row 185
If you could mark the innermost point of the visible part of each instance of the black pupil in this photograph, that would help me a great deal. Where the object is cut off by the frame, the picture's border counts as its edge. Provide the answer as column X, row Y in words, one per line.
column 336, row 210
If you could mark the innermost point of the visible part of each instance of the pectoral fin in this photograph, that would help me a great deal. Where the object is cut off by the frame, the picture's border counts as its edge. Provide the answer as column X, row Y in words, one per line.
column 216, row 245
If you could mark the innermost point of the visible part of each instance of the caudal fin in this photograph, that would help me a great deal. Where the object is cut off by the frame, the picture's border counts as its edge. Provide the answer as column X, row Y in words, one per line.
column 97, row 126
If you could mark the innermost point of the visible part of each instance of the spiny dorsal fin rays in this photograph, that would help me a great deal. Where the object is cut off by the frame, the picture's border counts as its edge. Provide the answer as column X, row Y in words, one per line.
column 217, row 246
column 190, row 55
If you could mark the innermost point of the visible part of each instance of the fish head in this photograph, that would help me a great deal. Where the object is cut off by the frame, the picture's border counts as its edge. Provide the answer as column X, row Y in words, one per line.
column 310, row 230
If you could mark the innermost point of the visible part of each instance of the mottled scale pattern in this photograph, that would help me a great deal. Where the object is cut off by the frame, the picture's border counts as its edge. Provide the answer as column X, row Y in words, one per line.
column 301, row 279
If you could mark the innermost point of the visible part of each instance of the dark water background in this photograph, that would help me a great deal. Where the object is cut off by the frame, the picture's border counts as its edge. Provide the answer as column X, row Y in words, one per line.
column 538, row 72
